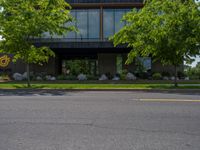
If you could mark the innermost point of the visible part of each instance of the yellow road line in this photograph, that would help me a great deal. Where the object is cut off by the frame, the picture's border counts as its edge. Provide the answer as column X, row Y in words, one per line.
column 169, row 100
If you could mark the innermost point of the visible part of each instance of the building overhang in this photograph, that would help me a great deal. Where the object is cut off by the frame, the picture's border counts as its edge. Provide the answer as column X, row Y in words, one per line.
column 105, row 3
column 76, row 44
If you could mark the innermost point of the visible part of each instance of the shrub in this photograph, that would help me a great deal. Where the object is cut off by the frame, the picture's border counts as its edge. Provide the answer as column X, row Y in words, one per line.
column 4, row 77
column 194, row 77
column 123, row 74
column 71, row 77
column 61, row 77
column 157, row 76
column 92, row 77
column 66, row 77
column 193, row 72
column 41, row 74
column 166, row 74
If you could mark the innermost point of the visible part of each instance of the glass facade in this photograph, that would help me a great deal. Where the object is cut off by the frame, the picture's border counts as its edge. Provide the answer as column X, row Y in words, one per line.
column 94, row 24
column 82, row 23
column 87, row 21
column 88, row 24
column 112, row 21
column 108, row 23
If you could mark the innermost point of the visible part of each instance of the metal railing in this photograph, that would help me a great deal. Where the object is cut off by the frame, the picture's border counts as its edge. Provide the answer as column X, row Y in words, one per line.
column 55, row 40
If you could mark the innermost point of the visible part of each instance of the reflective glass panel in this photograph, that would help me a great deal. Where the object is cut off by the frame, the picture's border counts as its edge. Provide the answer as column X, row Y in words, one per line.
column 118, row 19
column 82, row 24
column 108, row 22
column 94, row 23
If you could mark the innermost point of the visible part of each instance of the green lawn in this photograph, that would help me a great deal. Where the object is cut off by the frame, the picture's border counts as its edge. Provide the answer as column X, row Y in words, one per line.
column 55, row 85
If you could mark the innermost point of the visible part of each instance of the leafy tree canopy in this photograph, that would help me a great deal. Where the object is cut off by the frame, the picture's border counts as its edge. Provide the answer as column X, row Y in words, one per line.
column 168, row 30
column 23, row 20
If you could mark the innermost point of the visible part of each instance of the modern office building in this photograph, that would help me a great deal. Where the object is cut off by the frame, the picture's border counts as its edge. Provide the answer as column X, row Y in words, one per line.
column 96, row 21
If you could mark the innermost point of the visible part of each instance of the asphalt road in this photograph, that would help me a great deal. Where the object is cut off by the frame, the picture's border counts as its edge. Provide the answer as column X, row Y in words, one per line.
column 99, row 121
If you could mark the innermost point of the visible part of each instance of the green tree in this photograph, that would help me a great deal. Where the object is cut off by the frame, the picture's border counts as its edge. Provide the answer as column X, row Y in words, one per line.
column 167, row 30
column 193, row 72
column 23, row 20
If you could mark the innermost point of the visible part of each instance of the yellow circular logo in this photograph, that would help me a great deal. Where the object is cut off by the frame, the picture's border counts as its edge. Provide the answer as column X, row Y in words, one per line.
column 4, row 61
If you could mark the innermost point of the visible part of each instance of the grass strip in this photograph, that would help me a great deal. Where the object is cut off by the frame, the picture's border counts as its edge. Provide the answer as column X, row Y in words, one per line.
column 95, row 86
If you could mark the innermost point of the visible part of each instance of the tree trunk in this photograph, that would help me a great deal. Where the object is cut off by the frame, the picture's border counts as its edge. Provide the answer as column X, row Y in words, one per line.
column 175, row 79
column 28, row 75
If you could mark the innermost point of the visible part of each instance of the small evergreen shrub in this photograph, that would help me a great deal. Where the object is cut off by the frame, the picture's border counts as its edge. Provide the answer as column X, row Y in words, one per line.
column 4, row 77
column 71, row 77
column 61, row 77
column 156, row 76
column 92, row 77
column 123, row 74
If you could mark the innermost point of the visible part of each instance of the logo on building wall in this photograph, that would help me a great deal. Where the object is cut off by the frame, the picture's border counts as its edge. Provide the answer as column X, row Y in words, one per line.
column 4, row 61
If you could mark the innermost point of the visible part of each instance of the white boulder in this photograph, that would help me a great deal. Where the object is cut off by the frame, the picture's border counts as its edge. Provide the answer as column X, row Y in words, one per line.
column 18, row 76
column 103, row 77
column 116, row 78
column 53, row 78
column 130, row 76
column 48, row 77
column 187, row 78
column 81, row 77
column 38, row 78
column 173, row 78
column 25, row 76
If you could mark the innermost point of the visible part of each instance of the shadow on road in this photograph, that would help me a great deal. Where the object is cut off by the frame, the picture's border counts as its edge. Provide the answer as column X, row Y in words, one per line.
column 60, row 92
column 32, row 92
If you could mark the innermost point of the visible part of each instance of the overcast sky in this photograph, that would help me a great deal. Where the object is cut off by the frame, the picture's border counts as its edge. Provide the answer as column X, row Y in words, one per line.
column 196, row 61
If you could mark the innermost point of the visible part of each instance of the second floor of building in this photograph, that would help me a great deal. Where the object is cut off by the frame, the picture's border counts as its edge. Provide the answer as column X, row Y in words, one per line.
column 95, row 22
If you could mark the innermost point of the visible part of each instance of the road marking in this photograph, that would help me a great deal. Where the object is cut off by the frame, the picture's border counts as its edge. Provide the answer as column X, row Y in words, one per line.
column 169, row 100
